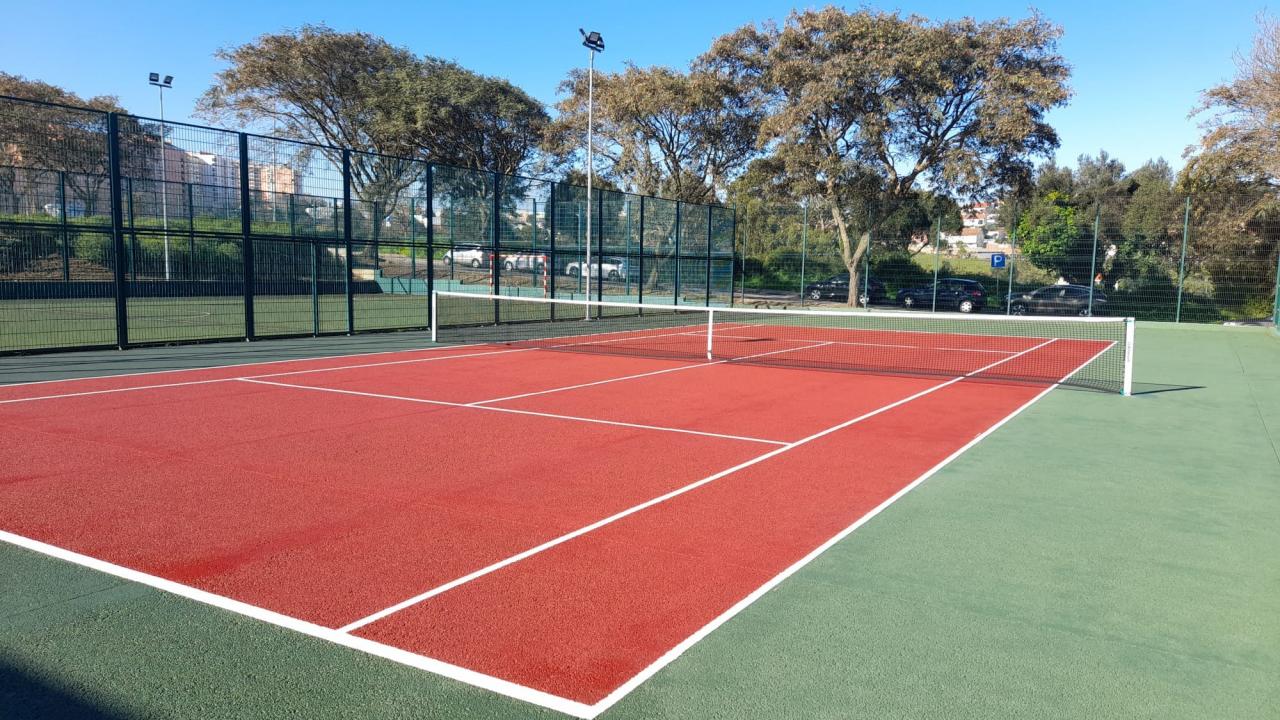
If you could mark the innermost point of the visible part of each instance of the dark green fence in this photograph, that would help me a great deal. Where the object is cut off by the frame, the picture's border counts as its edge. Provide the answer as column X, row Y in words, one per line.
column 1185, row 259
column 118, row 230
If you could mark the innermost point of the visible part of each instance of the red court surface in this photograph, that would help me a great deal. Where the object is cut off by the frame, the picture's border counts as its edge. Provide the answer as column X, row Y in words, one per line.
column 554, row 526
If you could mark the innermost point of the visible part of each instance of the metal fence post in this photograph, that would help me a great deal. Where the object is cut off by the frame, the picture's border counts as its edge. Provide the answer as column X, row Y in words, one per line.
column 495, row 262
column 62, row 222
column 1182, row 262
column 599, row 254
column 804, row 245
column 937, row 259
column 1093, row 259
column 866, row 267
column 246, row 234
column 133, row 236
column 675, row 295
column 431, row 241
column 733, row 251
column 1013, row 254
column 346, row 240
column 709, row 208
column 191, row 232
column 640, row 262
column 552, row 258
column 117, row 230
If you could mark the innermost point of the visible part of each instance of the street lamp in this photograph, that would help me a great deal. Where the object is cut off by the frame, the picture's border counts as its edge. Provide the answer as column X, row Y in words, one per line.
column 594, row 44
column 166, row 83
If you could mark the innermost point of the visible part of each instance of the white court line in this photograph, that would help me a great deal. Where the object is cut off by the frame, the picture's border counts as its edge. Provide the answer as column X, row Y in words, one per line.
column 866, row 344
column 236, row 365
column 266, row 375
column 513, row 411
column 454, row 672
column 675, row 652
column 421, row 597
column 645, row 374
column 372, row 647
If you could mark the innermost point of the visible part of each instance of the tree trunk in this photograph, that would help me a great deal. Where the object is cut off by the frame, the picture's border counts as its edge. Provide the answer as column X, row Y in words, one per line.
column 851, row 254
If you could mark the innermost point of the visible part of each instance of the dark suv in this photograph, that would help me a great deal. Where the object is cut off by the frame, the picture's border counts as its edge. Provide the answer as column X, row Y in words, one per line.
column 1058, row 300
column 836, row 287
column 953, row 294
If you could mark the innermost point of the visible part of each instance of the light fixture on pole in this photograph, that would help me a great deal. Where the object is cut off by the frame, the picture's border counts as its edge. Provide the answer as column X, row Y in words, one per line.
column 166, row 83
column 594, row 44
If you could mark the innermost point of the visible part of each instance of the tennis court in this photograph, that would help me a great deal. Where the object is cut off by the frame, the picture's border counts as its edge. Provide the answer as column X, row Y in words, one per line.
column 553, row 513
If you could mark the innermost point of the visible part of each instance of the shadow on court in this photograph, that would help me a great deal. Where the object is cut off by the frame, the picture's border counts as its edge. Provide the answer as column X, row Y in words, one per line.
column 25, row 696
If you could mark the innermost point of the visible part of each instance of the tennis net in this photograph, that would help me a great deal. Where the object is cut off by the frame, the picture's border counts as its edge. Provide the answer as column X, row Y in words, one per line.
column 1091, row 352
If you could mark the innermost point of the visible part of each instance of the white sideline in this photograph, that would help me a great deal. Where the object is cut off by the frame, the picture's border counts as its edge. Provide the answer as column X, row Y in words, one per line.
column 512, row 411
column 404, row 657
column 478, row 679
column 158, row 386
column 668, row 657
column 409, row 602
column 233, row 365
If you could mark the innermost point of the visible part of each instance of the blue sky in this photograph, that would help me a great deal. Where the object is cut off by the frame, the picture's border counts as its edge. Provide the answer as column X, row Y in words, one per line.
column 1138, row 66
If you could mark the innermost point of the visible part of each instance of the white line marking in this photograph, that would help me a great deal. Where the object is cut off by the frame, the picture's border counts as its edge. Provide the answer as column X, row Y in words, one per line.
column 639, row 678
column 267, row 375
column 372, row 647
column 646, row 374
column 454, row 672
column 409, row 602
column 513, row 411
column 866, row 344
column 235, row 365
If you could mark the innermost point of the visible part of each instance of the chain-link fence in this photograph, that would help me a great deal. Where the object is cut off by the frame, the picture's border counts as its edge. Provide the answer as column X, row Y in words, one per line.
column 1210, row 258
column 118, row 230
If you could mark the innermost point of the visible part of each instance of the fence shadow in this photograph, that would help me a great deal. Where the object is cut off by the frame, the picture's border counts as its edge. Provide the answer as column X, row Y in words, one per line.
column 24, row 696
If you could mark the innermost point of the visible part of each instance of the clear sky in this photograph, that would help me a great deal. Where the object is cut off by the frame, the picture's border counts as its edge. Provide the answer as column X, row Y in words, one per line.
column 1138, row 66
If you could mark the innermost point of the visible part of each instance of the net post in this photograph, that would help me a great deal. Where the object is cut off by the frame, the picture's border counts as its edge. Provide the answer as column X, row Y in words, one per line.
column 1127, row 389
column 711, row 314
column 435, row 314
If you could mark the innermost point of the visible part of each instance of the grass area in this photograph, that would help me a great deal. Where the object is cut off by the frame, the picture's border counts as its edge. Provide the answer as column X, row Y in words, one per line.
column 1098, row 556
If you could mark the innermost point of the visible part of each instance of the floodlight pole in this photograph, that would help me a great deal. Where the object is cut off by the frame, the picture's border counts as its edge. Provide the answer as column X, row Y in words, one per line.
column 164, row 187
column 164, row 184
column 594, row 43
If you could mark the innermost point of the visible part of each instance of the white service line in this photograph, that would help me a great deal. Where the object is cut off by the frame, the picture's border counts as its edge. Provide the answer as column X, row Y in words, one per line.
column 372, row 647
column 512, row 411
column 651, row 373
column 440, row 589
column 866, row 344
column 675, row 652
column 158, row 386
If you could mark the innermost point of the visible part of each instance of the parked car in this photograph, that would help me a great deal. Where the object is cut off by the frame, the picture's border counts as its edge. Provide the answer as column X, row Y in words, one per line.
column 953, row 294
column 836, row 288
column 525, row 261
column 472, row 255
column 612, row 268
column 1057, row 300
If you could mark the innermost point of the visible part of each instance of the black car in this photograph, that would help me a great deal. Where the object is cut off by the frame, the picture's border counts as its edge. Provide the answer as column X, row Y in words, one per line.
column 836, row 287
column 1057, row 300
column 953, row 294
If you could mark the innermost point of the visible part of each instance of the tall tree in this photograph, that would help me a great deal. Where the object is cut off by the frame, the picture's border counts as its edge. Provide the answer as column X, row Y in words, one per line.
column 357, row 91
column 683, row 135
column 1234, row 173
column 59, row 137
column 860, row 107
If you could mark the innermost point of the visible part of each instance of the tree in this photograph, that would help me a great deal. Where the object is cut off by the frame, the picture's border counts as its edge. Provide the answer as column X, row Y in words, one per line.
column 860, row 107
column 1242, row 117
column 357, row 91
column 658, row 131
column 56, row 134
column 1233, row 175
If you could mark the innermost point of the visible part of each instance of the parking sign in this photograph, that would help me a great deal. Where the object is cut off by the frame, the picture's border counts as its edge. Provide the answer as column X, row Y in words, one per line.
column 997, row 261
